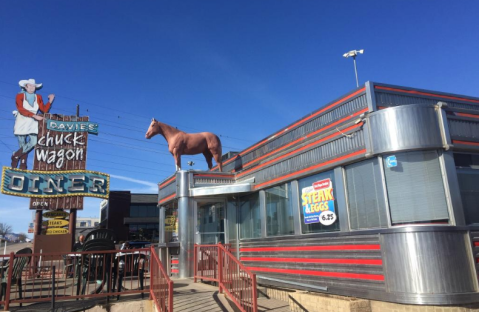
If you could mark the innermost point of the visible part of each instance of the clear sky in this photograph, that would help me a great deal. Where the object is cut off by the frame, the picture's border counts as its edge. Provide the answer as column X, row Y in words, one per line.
column 240, row 69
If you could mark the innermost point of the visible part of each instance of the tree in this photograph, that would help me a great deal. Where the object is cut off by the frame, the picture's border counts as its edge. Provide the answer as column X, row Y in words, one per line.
column 5, row 229
column 22, row 237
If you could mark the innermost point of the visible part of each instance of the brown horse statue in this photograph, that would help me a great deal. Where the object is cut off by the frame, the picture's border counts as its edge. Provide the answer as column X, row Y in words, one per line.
column 182, row 143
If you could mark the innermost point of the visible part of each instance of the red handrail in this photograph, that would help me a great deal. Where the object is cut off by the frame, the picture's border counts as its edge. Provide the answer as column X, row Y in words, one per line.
column 161, row 287
column 216, row 263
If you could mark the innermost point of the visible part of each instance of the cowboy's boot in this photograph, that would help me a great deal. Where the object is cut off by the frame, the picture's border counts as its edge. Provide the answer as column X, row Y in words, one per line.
column 23, row 161
column 16, row 157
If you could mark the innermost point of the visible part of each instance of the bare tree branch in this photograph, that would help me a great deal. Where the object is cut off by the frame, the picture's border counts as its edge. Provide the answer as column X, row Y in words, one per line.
column 5, row 229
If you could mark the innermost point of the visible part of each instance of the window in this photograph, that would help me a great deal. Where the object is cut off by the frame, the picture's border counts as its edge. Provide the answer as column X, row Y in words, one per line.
column 134, row 211
column 318, row 203
column 153, row 211
column 83, row 224
column 467, row 166
column 142, row 211
column 250, row 226
column 416, row 189
column 232, row 227
column 279, row 210
column 367, row 207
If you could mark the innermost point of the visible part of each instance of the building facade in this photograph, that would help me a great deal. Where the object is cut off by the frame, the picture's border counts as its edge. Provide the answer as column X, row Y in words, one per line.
column 133, row 217
column 373, row 195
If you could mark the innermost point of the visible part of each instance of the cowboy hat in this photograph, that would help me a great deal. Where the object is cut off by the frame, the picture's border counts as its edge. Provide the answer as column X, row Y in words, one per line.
column 31, row 81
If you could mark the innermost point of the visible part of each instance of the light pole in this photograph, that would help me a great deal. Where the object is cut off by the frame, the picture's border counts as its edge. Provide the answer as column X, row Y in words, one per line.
column 353, row 54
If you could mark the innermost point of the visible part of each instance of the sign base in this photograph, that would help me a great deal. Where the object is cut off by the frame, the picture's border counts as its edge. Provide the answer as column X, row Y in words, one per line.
column 52, row 243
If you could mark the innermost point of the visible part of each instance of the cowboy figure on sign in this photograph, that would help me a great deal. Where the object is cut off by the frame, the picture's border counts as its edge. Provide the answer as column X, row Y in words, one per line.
column 26, row 119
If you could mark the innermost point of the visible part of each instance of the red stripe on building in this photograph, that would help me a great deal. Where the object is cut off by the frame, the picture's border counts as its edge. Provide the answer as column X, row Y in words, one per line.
column 332, row 161
column 306, row 137
column 467, row 115
column 427, row 94
column 374, row 277
column 167, row 198
column 298, row 150
column 306, row 260
column 311, row 248
column 325, row 109
column 476, row 244
column 296, row 124
column 167, row 182
column 175, row 261
column 174, row 271
column 465, row 142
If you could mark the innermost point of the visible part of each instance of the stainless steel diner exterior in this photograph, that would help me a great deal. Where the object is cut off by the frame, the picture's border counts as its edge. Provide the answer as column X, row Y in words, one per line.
column 404, row 167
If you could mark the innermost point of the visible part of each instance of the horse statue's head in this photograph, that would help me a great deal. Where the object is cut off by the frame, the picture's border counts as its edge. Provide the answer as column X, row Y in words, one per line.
column 153, row 130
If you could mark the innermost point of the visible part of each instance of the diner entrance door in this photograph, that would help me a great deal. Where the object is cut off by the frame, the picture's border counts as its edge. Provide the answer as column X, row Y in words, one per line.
column 210, row 225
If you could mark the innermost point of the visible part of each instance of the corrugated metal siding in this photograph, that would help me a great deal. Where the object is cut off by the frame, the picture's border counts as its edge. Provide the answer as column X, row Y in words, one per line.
column 392, row 99
column 331, row 150
column 475, row 250
column 168, row 190
column 367, row 275
column 463, row 129
column 428, row 262
column 213, row 178
column 314, row 124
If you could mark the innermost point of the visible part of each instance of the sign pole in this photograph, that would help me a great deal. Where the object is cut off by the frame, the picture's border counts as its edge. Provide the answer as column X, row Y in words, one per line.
column 73, row 212
column 38, row 222
column 72, row 225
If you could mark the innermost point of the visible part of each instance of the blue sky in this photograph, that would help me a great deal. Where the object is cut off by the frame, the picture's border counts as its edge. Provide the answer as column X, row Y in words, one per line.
column 240, row 69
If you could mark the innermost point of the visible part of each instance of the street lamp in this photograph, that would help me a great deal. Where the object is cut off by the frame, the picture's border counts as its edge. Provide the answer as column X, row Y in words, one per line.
column 353, row 54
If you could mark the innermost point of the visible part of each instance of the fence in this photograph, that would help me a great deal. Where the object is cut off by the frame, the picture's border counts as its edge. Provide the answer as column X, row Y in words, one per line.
column 28, row 278
column 216, row 263
column 161, row 287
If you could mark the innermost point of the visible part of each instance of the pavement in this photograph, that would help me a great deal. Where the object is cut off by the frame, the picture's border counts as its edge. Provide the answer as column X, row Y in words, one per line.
column 198, row 297
column 12, row 247
column 187, row 297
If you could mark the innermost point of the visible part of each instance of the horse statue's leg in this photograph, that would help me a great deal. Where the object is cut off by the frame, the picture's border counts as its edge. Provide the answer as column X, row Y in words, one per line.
column 218, row 161
column 209, row 158
column 177, row 157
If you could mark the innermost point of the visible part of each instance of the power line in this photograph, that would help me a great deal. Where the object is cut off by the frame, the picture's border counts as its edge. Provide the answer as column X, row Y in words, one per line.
column 129, row 113
column 129, row 165
column 126, row 137
column 122, row 169
column 6, row 145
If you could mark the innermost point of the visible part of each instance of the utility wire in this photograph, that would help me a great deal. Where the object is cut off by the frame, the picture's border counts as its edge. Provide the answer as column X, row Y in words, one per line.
column 128, row 113
column 126, row 137
column 6, row 145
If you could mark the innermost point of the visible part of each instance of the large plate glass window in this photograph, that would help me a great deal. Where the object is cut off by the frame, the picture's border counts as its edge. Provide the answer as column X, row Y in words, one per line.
column 279, row 210
column 367, row 207
column 232, row 226
column 211, row 225
column 318, row 203
column 415, row 188
column 170, row 226
column 250, row 223
column 467, row 167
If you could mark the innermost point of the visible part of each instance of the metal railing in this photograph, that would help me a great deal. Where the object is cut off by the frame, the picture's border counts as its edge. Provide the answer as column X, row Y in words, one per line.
column 87, row 274
column 216, row 263
column 161, row 287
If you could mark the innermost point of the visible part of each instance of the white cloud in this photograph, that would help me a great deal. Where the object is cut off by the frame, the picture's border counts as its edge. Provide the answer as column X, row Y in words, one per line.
column 151, row 187
column 151, row 184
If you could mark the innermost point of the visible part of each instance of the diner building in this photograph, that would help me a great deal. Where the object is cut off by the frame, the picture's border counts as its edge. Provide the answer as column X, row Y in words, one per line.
column 373, row 195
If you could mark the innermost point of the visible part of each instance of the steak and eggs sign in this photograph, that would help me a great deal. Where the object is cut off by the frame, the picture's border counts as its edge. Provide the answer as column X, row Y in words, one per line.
column 58, row 179
column 318, row 203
